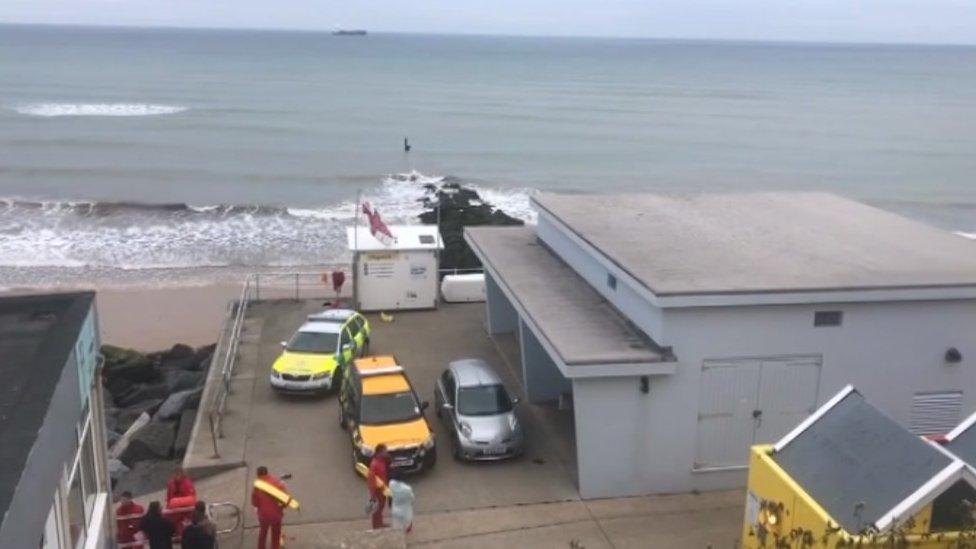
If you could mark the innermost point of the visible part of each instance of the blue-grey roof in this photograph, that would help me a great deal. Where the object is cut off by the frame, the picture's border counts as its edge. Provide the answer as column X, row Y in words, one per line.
column 854, row 454
column 964, row 446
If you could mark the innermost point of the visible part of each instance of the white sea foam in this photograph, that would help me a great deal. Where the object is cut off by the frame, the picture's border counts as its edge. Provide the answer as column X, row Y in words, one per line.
column 966, row 235
column 130, row 237
column 97, row 109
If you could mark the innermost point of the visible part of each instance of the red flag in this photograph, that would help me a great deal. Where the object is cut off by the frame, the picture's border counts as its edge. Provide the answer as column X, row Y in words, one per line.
column 376, row 225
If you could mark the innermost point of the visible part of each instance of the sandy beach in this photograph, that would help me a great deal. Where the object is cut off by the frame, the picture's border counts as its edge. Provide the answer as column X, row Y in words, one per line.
column 151, row 319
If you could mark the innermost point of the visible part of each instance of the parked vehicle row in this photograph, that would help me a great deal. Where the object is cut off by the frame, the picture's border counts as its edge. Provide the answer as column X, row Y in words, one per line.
column 379, row 405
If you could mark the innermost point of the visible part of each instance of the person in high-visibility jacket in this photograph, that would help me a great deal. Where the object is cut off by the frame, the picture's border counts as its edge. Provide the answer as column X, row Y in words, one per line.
column 270, row 498
column 376, row 482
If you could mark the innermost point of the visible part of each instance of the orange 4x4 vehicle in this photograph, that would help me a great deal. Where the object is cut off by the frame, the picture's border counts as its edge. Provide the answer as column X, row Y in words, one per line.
column 378, row 405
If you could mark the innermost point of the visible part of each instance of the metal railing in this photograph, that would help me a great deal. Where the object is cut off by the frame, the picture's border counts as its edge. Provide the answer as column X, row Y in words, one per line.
column 238, row 521
column 257, row 286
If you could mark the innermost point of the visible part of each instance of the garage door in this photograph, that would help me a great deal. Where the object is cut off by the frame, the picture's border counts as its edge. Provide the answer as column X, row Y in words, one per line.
column 751, row 401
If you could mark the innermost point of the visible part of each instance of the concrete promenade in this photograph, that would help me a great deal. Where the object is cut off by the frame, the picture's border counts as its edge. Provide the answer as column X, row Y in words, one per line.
column 528, row 502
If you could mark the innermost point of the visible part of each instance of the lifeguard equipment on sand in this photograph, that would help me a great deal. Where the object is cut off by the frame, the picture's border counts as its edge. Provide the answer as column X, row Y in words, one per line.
column 277, row 493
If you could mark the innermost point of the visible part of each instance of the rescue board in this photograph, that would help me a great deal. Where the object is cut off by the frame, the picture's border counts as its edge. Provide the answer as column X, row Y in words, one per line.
column 363, row 471
column 276, row 493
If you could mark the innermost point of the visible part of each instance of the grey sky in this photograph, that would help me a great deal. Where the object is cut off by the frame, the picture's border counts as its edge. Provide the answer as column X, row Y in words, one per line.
column 935, row 21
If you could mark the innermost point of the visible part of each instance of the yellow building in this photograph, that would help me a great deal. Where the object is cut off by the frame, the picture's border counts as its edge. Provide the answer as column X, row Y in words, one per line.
column 850, row 476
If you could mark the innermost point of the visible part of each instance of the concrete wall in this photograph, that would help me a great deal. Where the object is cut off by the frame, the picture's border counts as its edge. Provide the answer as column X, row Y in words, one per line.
column 541, row 377
column 501, row 315
column 887, row 350
column 626, row 297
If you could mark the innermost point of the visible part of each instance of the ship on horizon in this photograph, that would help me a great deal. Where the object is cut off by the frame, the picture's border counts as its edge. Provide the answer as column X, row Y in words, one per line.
column 349, row 32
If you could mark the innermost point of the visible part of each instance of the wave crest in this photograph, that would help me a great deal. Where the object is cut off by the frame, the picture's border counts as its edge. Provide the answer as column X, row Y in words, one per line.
column 97, row 109
column 126, row 235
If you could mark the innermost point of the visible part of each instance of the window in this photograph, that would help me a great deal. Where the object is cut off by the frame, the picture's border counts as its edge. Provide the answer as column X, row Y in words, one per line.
column 611, row 281
column 353, row 327
column 389, row 408
column 86, row 469
column 827, row 318
column 346, row 337
column 313, row 342
column 426, row 239
column 485, row 400
column 76, row 512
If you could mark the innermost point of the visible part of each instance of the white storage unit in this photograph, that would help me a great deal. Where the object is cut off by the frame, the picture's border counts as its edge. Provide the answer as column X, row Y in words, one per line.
column 398, row 275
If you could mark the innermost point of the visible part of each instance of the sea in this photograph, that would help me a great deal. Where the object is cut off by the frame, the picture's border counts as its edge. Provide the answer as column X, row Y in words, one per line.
column 168, row 156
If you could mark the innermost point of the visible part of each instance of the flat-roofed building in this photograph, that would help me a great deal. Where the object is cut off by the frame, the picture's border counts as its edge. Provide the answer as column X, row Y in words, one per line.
column 54, row 484
column 687, row 328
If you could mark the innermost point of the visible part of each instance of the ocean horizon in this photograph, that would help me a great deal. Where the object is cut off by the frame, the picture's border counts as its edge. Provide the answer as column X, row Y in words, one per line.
column 129, row 151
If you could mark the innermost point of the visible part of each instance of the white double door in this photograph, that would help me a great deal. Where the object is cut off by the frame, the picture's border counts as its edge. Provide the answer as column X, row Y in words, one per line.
column 751, row 401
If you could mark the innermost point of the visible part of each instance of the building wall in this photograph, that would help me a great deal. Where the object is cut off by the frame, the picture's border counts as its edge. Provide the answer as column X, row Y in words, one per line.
column 888, row 351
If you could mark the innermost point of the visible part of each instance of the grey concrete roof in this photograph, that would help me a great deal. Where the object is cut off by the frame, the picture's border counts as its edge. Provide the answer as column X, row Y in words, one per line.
column 763, row 242
column 37, row 333
column 856, row 454
column 580, row 325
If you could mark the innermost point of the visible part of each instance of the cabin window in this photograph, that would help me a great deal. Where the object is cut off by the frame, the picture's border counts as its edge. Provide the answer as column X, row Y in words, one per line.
column 611, row 281
column 827, row 318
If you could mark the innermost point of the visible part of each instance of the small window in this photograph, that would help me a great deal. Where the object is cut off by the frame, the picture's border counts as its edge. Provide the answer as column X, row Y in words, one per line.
column 426, row 239
column 611, row 281
column 828, row 318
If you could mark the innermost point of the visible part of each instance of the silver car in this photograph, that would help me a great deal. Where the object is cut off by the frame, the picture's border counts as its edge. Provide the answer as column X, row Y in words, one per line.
column 471, row 400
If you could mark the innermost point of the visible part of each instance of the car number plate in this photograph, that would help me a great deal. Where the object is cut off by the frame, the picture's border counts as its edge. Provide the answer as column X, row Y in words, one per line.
column 402, row 462
column 495, row 451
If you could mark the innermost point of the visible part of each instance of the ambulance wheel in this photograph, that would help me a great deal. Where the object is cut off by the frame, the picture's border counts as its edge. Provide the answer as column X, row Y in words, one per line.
column 342, row 418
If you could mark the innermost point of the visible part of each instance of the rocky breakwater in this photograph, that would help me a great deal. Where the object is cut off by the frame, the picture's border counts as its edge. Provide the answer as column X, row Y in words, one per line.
column 151, row 402
column 459, row 207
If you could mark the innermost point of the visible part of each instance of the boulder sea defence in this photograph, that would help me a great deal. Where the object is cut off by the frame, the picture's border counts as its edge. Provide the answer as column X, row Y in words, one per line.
column 163, row 389
column 459, row 207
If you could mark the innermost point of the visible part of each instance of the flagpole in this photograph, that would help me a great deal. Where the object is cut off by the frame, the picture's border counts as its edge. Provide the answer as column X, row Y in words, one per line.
column 355, row 253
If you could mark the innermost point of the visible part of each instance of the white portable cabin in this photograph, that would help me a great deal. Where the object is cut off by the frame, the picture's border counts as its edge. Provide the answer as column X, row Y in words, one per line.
column 397, row 275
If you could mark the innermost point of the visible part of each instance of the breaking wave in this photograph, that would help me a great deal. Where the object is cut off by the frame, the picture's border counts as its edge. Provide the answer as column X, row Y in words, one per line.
column 133, row 235
column 97, row 109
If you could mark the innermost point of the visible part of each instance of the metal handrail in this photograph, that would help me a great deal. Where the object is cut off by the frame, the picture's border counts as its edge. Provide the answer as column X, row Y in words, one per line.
column 227, row 347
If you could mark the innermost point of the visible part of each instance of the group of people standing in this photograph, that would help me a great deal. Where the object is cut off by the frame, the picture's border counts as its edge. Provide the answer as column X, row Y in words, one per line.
column 185, row 518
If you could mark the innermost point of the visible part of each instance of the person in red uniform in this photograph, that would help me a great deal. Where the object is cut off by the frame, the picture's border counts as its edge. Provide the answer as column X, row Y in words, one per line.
column 126, row 528
column 180, row 494
column 376, row 480
column 270, row 510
